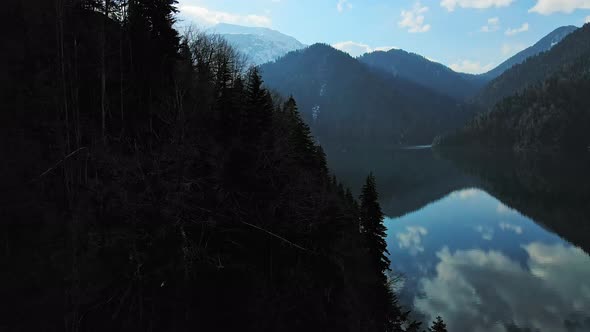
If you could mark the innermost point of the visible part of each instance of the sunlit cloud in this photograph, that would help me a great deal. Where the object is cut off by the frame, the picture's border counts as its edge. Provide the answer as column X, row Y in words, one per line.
column 471, row 67
column 450, row 5
column 468, row 193
column 485, row 291
column 510, row 227
column 547, row 7
column 412, row 239
column 493, row 25
column 211, row 17
column 343, row 5
column 503, row 209
column 357, row 49
column 413, row 19
column 487, row 233
column 511, row 32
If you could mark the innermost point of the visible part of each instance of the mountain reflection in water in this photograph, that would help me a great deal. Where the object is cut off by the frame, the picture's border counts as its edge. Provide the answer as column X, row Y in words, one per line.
column 490, row 242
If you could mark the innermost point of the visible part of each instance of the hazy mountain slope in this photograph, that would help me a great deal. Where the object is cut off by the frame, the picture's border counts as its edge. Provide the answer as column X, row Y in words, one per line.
column 444, row 80
column 543, row 45
column 260, row 45
column 420, row 70
column 348, row 103
column 538, row 68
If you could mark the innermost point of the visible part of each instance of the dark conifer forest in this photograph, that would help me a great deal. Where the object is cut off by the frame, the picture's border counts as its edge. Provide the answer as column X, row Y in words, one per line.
column 152, row 183
column 161, row 176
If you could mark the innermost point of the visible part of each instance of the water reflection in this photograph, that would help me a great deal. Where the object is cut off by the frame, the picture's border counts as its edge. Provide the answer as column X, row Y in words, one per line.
column 485, row 267
column 491, row 242
column 478, row 290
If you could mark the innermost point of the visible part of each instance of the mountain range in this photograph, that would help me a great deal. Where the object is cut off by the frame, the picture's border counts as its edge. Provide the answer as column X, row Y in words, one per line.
column 541, row 104
column 262, row 45
column 443, row 79
column 395, row 97
column 536, row 69
column 348, row 103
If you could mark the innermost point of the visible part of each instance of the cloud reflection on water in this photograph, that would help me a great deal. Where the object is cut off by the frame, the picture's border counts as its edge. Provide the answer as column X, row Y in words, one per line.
column 411, row 239
column 485, row 291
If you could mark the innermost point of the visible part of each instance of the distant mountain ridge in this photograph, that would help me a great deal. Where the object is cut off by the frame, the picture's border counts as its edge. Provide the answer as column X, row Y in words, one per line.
column 443, row 79
column 548, row 107
column 347, row 102
column 260, row 45
column 420, row 70
column 536, row 69
column 543, row 45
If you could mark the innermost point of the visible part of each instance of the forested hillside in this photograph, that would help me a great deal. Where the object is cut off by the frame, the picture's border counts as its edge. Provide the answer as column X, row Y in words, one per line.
column 537, row 69
column 348, row 103
column 151, row 183
column 554, row 115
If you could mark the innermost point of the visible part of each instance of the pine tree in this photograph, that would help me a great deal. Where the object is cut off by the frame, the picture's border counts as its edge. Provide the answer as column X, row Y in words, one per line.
column 257, row 118
column 438, row 325
column 300, row 138
column 371, row 218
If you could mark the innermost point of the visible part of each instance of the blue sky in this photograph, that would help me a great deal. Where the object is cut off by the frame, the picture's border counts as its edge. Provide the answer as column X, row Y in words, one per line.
column 467, row 35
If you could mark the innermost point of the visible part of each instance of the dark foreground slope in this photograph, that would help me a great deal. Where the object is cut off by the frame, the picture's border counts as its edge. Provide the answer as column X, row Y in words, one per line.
column 348, row 103
column 149, row 186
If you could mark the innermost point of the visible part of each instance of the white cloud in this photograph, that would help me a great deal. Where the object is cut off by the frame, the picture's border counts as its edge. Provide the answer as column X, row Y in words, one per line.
column 494, row 20
column 357, row 49
column 547, row 7
column 511, row 32
column 343, row 5
column 385, row 48
column 486, row 232
column 412, row 239
column 211, row 17
column 587, row 19
column 503, row 209
column 484, row 291
column 510, row 227
column 413, row 19
column 471, row 67
column 450, row 5
column 467, row 193
column 493, row 25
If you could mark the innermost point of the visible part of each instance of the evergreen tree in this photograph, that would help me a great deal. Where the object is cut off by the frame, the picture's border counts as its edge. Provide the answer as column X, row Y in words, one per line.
column 300, row 137
column 371, row 218
column 176, row 229
column 438, row 325
column 257, row 118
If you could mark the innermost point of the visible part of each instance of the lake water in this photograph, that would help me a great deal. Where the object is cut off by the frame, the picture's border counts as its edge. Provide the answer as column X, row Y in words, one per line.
column 489, row 243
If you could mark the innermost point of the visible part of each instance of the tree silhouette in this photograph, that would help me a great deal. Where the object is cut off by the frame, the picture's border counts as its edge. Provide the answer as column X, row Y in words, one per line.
column 438, row 325
column 371, row 219
column 199, row 204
